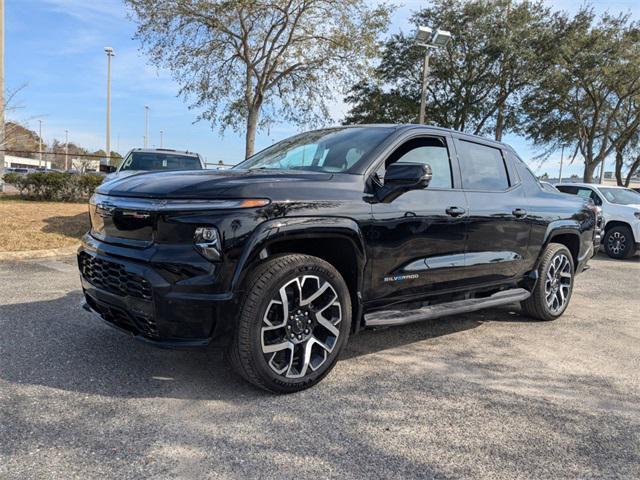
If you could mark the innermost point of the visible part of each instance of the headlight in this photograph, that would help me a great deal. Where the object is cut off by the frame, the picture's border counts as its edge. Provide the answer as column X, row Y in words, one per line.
column 207, row 243
column 637, row 214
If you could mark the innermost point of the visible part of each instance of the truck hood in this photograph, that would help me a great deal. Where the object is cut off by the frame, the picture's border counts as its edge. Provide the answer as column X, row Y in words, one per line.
column 205, row 184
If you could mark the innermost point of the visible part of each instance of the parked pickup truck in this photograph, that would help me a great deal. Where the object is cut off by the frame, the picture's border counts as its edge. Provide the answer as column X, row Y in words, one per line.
column 281, row 258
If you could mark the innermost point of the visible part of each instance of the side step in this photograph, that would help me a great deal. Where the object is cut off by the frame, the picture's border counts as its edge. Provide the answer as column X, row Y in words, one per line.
column 388, row 318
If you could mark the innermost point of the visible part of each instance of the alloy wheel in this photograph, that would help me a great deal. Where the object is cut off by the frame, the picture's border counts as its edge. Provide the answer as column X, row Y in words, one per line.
column 300, row 326
column 617, row 243
column 558, row 283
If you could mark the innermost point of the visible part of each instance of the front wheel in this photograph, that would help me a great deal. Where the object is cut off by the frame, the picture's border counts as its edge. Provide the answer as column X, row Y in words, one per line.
column 550, row 297
column 294, row 321
column 619, row 242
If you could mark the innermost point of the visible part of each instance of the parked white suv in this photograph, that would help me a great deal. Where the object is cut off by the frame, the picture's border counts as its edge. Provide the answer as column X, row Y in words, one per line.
column 621, row 212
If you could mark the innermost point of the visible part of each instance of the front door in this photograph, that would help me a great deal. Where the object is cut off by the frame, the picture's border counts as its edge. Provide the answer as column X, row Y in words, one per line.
column 416, row 243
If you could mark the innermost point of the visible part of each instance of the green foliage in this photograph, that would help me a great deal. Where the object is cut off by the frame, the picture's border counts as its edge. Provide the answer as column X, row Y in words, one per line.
column 246, row 64
column 54, row 186
column 589, row 99
column 476, row 83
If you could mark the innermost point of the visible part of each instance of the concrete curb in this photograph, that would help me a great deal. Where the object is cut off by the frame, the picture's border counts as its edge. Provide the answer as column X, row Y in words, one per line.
column 31, row 254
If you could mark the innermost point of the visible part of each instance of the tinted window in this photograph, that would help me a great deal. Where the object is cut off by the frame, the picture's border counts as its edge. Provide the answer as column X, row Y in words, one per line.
column 329, row 150
column 160, row 161
column 567, row 189
column 428, row 151
column 482, row 167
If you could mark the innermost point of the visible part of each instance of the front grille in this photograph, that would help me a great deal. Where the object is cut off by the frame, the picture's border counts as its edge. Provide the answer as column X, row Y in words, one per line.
column 134, row 323
column 113, row 277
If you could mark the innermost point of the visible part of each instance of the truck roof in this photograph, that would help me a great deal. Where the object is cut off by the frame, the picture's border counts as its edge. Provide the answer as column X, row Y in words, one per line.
column 165, row 150
column 412, row 126
column 584, row 184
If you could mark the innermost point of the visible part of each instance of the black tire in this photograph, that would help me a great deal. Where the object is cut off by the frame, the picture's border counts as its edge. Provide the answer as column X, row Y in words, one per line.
column 538, row 304
column 261, row 316
column 619, row 242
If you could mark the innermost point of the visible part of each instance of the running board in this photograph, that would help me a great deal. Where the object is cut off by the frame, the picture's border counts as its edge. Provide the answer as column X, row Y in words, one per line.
column 387, row 318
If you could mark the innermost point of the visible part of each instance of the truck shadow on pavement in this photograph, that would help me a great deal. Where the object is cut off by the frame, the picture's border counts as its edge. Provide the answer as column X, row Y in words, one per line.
column 393, row 408
column 55, row 343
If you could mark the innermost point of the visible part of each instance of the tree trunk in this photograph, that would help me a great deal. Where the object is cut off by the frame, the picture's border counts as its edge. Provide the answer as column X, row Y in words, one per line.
column 589, row 168
column 632, row 170
column 252, row 126
column 619, row 165
column 500, row 121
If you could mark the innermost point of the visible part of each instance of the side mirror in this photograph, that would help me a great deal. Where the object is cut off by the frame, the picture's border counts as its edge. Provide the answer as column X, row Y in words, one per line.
column 402, row 177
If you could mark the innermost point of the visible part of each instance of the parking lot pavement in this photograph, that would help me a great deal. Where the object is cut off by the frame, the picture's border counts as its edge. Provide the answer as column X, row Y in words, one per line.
column 490, row 394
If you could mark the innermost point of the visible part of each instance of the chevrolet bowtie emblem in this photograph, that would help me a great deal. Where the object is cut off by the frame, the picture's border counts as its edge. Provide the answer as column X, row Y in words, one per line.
column 105, row 210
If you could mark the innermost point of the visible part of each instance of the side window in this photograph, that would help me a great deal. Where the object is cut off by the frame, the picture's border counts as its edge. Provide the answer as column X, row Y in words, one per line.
column 482, row 167
column 596, row 199
column 512, row 163
column 568, row 189
column 429, row 150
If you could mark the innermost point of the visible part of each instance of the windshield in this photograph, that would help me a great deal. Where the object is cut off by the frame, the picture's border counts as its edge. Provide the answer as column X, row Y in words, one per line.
column 621, row 196
column 331, row 150
column 160, row 161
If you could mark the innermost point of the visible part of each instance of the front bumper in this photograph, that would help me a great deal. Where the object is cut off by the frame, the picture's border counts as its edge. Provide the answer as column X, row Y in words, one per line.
column 148, row 303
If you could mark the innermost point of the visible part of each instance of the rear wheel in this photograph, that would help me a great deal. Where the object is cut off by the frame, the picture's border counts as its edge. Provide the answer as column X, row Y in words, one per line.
column 619, row 242
column 293, row 323
column 550, row 297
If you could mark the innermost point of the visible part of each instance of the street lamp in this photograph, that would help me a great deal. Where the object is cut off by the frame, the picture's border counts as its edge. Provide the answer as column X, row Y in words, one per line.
column 110, row 53
column 66, row 150
column 146, row 126
column 40, row 144
column 429, row 39
column 161, row 134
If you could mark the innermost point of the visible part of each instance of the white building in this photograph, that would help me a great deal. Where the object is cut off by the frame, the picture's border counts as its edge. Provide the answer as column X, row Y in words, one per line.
column 22, row 162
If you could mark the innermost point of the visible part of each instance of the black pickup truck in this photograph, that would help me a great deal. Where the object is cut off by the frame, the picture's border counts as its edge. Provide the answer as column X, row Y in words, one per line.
column 281, row 258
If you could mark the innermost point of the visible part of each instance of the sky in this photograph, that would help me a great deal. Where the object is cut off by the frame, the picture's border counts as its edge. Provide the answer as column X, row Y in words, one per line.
column 54, row 56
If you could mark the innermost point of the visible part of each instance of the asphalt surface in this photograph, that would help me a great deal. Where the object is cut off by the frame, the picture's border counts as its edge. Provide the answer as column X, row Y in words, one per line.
column 485, row 395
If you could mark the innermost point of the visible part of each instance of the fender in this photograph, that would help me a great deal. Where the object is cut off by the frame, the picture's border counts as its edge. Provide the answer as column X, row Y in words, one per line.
column 562, row 227
column 295, row 228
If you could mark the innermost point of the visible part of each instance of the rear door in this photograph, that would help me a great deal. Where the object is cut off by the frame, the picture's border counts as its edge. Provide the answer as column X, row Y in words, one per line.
column 498, row 224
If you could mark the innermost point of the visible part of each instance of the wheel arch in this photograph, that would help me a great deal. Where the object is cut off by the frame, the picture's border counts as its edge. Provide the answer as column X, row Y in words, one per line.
column 616, row 223
column 338, row 241
column 567, row 235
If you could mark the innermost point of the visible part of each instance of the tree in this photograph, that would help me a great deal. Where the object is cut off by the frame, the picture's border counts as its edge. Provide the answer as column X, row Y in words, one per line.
column 476, row 83
column 20, row 141
column 115, row 159
column 584, row 100
column 251, row 62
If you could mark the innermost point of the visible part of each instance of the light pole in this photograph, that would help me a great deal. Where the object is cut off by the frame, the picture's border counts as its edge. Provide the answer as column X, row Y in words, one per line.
column 146, row 126
column 66, row 150
column 601, row 173
column 110, row 53
column 428, row 39
column 3, row 143
column 40, row 143
column 561, row 160
column 161, row 132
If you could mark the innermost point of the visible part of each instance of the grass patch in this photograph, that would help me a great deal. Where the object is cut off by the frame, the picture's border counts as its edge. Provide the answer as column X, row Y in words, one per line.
column 32, row 225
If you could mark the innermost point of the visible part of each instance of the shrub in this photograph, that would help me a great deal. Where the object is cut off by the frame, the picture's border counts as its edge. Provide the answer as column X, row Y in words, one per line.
column 57, row 186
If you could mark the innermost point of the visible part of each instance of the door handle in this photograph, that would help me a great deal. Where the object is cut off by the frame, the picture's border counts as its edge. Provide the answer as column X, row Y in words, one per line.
column 455, row 211
column 519, row 212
